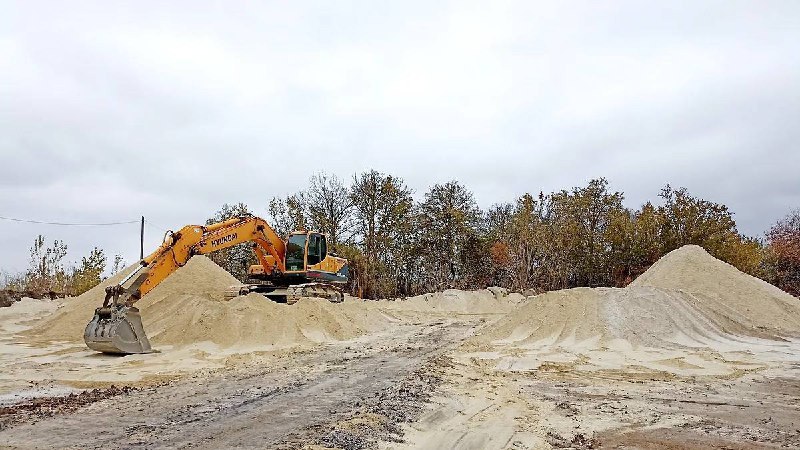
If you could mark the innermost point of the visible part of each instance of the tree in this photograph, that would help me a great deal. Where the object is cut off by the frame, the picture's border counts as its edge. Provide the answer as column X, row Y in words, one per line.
column 447, row 222
column 329, row 207
column 287, row 214
column 46, row 272
column 584, row 216
column 119, row 264
column 635, row 243
column 89, row 273
column 13, row 282
column 689, row 220
column 496, row 227
column 539, row 243
column 382, row 215
column 783, row 254
column 238, row 258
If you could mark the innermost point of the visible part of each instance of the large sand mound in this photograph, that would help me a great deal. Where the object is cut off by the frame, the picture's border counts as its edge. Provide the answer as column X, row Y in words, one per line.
column 688, row 298
column 200, row 277
column 721, row 289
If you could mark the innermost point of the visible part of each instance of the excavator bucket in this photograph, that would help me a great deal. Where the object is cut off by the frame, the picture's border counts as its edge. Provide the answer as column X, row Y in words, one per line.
column 117, row 329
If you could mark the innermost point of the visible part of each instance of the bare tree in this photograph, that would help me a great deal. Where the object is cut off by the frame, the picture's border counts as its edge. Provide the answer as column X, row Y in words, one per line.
column 382, row 206
column 288, row 214
column 329, row 207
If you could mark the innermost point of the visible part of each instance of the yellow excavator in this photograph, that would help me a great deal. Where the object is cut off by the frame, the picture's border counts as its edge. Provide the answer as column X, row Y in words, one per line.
column 288, row 270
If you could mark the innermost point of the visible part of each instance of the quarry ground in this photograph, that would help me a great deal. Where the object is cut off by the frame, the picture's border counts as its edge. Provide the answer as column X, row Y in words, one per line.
column 287, row 401
column 693, row 354
column 416, row 386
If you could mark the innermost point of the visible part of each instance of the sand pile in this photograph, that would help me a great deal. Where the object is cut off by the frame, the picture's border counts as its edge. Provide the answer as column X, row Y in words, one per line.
column 188, row 308
column 70, row 319
column 721, row 289
column 456, row 302
column 687, row 299
column 253, row 321
column 20, row 315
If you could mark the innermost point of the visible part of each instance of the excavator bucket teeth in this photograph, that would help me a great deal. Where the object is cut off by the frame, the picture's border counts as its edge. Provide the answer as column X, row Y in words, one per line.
column 117, row 329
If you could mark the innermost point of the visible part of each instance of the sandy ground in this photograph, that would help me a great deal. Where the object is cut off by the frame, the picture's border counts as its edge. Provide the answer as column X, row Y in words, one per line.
column 303, row 396
column 485, row 405
column 676, row 360
column 693, row 355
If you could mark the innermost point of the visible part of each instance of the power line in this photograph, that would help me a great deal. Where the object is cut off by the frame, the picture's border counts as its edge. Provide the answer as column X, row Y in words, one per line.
column 157, row 226
column 42, row 222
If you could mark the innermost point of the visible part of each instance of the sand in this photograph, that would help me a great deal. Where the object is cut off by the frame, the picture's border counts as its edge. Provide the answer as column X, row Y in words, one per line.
column 455, row 302
column 193, row 328
column 694, row 352
column 721, row 289
column 689, row 314
column 188, row 308
column 687, row 301
column 689, row 321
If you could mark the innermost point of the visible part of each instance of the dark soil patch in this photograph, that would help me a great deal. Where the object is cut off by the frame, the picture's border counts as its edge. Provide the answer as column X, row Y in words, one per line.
column 43, row 407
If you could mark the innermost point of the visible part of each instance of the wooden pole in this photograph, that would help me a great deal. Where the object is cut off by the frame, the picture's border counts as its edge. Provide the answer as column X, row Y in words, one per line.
column 141, row 241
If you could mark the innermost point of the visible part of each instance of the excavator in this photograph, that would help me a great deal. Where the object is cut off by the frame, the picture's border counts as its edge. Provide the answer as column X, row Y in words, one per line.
column 288, row 270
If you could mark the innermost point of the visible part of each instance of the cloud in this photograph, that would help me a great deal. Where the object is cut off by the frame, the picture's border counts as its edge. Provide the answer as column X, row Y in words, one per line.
column 113, row 110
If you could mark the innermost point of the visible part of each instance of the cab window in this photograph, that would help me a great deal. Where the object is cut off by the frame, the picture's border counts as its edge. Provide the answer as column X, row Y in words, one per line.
column 295, row 252
column 313, row 250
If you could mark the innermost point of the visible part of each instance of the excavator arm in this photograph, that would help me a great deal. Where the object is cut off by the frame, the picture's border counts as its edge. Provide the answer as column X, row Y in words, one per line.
column 180, row 246
column 117, row 326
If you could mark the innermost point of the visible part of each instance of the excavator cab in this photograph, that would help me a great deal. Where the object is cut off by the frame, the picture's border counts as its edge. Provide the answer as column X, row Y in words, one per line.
column 307, row 256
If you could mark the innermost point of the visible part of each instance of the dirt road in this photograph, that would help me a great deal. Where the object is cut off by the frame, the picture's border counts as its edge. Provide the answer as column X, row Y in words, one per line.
column 293, row 401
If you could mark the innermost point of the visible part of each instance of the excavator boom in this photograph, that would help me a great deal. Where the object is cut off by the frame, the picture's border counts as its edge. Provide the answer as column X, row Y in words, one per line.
column 192, row 240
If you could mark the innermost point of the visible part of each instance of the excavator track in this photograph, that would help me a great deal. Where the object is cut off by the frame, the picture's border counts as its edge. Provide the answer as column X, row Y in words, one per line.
column 235, row 291
column 307, row 290
column 290, row 294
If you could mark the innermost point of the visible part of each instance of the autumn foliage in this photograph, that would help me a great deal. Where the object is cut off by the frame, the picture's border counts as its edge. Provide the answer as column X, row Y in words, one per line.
column 584, row 236
column 398, row 245
column 783, row 254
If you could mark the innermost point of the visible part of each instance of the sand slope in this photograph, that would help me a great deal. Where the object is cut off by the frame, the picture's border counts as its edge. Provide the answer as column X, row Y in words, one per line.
column 687, row 297
column 683, row 315
column 722, row 289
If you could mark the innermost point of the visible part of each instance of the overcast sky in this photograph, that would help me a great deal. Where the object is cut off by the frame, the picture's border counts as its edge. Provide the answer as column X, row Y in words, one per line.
column 111, row 110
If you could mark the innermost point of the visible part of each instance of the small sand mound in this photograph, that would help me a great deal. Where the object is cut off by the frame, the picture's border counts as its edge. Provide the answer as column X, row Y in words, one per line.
column 453, row 301
column 688, row 298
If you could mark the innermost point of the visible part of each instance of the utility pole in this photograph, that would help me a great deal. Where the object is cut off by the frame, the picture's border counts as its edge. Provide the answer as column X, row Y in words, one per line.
column 141, row 241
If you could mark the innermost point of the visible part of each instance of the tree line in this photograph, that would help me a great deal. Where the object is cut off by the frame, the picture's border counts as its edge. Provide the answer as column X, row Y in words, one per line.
column 398, row 246
column 584, row 236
